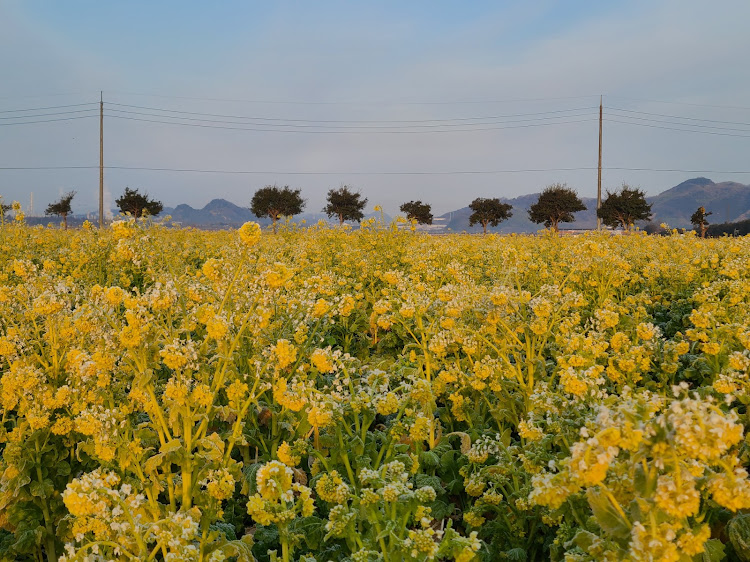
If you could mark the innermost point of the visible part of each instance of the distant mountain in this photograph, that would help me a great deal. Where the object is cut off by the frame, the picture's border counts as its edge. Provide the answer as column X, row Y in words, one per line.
column 729, row 202
column 219, row 213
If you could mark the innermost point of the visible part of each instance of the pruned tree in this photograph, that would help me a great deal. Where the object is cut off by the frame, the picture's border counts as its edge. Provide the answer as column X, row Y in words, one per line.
column 345, row 204
column 138, row 204
column 61, row 207
column 274, row 202
column 418, row 211
column 698, row 219
column 556, row 204
column 624, row 207
column 489, row 212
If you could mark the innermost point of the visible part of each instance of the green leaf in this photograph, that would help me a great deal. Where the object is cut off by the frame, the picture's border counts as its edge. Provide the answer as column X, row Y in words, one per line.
column 440, row 509
column 241, row 549
column 311, row 528
column 248, row 473
column 421, row 480
column 37, row 489
column 739, row 535
column 607, row 516
column 224, row 528
column 153, row 463
column 516, row 554
column 714, row 551
column 429, row 460
column 171, row 446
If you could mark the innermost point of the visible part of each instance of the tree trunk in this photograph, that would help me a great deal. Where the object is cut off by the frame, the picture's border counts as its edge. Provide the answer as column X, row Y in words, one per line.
column 484, row 226
column 341, row 219
column 704, row 228
column 65, row 220
column 274, row 218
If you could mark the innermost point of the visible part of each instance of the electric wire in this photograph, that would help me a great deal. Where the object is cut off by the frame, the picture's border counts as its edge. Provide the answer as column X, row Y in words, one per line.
column 194, row 113
column 676, row 129
column 360, row 173
column 677, row 116
column 52, row 113
column 48, row 107
column 355, row 103
column 745, row 108
column 268, row 130
column 48, row 120
column 309, row 125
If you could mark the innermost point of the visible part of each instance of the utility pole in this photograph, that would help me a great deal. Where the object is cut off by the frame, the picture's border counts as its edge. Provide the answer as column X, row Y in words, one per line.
column 101, row 160
column 599, row 179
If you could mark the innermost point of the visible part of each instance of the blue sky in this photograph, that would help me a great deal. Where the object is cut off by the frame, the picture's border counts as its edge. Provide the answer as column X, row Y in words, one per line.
column 426, row 62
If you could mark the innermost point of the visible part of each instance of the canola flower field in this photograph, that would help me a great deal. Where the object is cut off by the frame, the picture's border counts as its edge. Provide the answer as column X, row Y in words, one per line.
column 372, row 395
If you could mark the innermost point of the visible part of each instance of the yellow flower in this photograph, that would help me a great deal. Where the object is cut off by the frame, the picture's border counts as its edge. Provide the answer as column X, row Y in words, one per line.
column 319, row 417
column 710, row 348
column 130, row 336
column 284, row 352
column 285, row 455
column 321, row 361
column 217, row 328
column 220, row 484
column 250, row 233
column 320, row 308
column 331, row 488
column 273, row 479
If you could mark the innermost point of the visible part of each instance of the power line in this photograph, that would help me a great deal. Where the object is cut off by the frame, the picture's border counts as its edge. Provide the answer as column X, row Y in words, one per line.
column 268, row 130
column 676, row 129
column 361, row 102
column 47, row 120
column 344, row 120
column 695, row 125
column 682, row 103
column 45, row 108
column 36, row 96
column 47, row 114
column 385, row 173
column 678, row 117
column 308, row 123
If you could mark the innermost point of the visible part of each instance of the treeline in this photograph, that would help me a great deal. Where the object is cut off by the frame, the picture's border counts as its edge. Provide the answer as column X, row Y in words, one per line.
column 739, row 228
column 556, row 204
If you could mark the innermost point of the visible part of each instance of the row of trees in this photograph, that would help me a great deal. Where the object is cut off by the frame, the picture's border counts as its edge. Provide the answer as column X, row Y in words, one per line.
column 556, row 204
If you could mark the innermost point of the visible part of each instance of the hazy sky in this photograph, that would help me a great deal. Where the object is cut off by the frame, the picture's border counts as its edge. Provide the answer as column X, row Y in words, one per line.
column 356, row 91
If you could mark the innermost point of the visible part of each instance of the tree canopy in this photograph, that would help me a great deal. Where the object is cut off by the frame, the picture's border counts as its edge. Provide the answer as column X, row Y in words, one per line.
column 698, row 219
column 489, row 212
column 138, row 204
column 556, row 204
column 345, row 204
column 624, row 207
column 61, row 207
column 418, row 211
column 274, row 202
